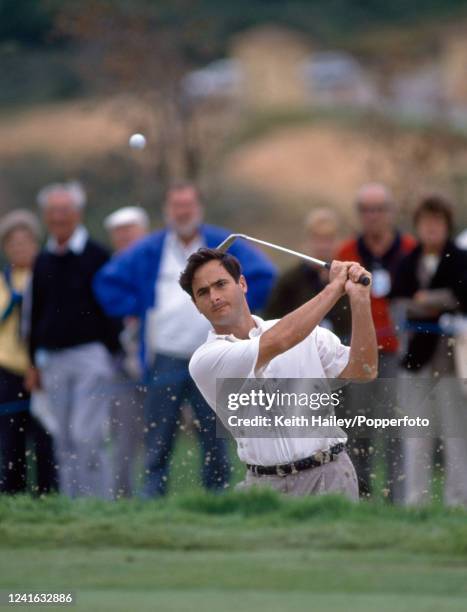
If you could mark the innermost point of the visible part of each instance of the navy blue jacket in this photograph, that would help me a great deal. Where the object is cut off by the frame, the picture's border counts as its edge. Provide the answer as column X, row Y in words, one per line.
column 125, row 286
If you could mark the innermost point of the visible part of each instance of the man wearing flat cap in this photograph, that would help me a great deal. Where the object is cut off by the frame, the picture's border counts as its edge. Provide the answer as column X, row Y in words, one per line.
column 125, row 227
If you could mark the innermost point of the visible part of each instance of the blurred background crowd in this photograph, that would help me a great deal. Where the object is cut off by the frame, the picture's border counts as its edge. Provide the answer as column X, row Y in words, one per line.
column 102, row 343
column 339, row 130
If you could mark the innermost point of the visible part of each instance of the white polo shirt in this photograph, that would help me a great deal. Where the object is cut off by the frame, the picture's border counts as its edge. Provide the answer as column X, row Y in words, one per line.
column 320, row 355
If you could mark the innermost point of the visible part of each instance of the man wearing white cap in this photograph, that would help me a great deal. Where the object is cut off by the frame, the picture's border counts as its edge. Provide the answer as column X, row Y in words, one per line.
column 126, row 226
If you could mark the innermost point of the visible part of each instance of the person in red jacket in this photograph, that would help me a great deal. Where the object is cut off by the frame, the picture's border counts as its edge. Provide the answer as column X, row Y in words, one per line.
column 379, row 248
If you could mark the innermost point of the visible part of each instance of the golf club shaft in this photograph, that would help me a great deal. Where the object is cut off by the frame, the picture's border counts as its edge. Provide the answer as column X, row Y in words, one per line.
column 317, row 262
column 363, row 280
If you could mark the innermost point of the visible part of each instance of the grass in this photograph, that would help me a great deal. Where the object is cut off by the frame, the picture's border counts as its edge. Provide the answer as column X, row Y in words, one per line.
column 231, row 521
column 123, row 579
column 255, row 550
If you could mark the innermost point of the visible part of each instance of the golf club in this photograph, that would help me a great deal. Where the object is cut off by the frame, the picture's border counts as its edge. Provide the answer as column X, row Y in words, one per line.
column 363, row 280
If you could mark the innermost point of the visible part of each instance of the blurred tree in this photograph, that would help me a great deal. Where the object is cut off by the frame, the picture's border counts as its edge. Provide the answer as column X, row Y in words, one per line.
column 144, row 48
column 30, row 22
column 27, row 22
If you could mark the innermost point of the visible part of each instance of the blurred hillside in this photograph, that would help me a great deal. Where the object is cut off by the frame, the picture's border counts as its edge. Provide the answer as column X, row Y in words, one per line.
column 384, row 100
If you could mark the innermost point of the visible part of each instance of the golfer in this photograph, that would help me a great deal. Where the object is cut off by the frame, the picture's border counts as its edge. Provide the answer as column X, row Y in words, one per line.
column 242, row 345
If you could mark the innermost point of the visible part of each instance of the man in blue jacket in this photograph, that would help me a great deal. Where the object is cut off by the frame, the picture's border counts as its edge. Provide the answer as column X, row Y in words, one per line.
column 143, row 282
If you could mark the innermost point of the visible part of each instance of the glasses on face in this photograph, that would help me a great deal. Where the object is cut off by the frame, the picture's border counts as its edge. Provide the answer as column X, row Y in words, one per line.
column 368, row 209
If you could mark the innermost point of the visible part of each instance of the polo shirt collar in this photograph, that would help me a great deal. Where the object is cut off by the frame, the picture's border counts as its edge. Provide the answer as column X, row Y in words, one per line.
column 75, row 244
column 253, row 333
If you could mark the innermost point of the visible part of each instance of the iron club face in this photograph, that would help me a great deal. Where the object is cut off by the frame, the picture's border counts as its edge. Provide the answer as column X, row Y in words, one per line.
column 224, row 246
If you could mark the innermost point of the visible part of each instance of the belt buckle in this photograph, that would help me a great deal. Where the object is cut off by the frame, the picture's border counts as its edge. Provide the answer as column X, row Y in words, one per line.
column 280, row 472
column 319, row 457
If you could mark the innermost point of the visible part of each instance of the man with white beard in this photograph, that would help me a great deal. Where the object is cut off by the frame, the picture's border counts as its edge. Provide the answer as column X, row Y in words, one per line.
column 143, row 282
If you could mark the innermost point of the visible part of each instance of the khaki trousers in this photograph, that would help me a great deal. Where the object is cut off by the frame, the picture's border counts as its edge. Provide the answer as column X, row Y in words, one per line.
column 335, row 477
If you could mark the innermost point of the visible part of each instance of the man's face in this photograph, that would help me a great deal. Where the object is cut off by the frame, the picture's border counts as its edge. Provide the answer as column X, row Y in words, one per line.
column 183, row 211
column 375, row 213
column 125, row 235
column 432, row 231
column 61, row 216
column 216, row 294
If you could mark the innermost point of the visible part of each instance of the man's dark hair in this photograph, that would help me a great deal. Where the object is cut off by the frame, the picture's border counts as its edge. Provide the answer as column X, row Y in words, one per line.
column 203, row 256
column 435, row 204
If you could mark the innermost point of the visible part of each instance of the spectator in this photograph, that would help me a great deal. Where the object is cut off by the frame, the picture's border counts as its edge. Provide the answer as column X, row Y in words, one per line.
column 379, row 248
column 302, row 282
column 125, row 227
column 432, row 280
column 143, row 282
column 68, row 338
column 19, row 235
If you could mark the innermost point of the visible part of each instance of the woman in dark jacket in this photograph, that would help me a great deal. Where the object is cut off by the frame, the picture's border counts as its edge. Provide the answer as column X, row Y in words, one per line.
column 432, row 281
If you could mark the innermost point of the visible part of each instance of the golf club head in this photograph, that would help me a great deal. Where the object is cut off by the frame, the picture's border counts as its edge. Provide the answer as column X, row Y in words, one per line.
column 224, row 245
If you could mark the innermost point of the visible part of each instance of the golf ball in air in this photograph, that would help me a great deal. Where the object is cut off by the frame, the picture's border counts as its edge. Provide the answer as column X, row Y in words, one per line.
column 137, row 141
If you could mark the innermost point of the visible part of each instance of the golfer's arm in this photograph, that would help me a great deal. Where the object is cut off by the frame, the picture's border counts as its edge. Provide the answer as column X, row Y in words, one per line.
column 363, row 359
column 297, row 325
